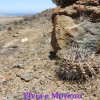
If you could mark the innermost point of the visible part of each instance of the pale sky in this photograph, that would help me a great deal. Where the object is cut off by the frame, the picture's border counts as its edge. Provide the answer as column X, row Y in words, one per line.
column 25, row 6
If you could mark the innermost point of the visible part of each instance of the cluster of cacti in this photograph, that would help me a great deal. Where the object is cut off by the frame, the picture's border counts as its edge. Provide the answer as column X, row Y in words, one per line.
column 63, row 2
column 78, row 65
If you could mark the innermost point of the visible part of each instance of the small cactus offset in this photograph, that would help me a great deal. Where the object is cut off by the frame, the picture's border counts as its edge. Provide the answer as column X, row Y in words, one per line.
column 78, row 65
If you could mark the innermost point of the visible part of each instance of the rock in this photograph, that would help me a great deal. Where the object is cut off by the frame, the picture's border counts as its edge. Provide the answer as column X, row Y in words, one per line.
column 64, row 2
column 26, row 77
column 91, row 35
column 42, row 82
column 98, row 48
column 4, row 98
column 66, row 32
column 14, row 46
column 94, row 94
column 89, row 2
column 96, row 14
column 10, row 97
column 15, row 35
column 88, row 7
column 48, row 40
column 63, row 32
column 18, row 66
column 24, row 40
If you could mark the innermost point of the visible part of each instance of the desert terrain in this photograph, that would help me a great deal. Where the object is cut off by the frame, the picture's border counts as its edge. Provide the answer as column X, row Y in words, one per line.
column 26, row 64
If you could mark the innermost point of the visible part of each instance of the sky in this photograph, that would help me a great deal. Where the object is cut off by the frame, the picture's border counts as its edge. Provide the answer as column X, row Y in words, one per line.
column 24, row 6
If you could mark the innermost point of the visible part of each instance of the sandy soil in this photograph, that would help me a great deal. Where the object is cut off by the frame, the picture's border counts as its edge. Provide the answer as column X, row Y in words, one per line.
column 6, row 20
column 26, row 49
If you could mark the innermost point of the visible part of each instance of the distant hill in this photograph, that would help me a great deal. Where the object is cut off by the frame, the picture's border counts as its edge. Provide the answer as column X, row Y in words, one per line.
column 24, row 14
column 7, row 19
column 15, row 14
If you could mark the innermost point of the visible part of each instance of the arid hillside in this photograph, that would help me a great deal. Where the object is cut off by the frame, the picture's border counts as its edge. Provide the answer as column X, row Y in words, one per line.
column 27, row 60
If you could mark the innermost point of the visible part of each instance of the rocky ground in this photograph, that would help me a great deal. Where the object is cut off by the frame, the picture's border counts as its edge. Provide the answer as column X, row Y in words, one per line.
column 26, row 64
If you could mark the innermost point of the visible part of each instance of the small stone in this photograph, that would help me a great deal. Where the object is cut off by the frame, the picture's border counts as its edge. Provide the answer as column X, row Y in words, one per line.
column 18, row 66
column 24, row 40
column 94, row 94
column 33, row 90
column 15, row 35
column 4, row 98
column 48, row 41
column 42, row 82
column 10, row 98
column 14, row 46
column 26, row 77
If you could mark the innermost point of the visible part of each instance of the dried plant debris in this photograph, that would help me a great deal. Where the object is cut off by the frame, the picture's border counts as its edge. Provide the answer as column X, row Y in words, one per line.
column 78, row 65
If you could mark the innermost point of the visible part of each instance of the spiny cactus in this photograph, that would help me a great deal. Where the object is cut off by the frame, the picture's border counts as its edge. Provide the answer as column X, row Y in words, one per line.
column 78, row 65
column 63, row 2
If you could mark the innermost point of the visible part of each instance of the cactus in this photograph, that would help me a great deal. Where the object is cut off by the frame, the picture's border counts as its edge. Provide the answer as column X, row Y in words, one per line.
column 78, row 65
